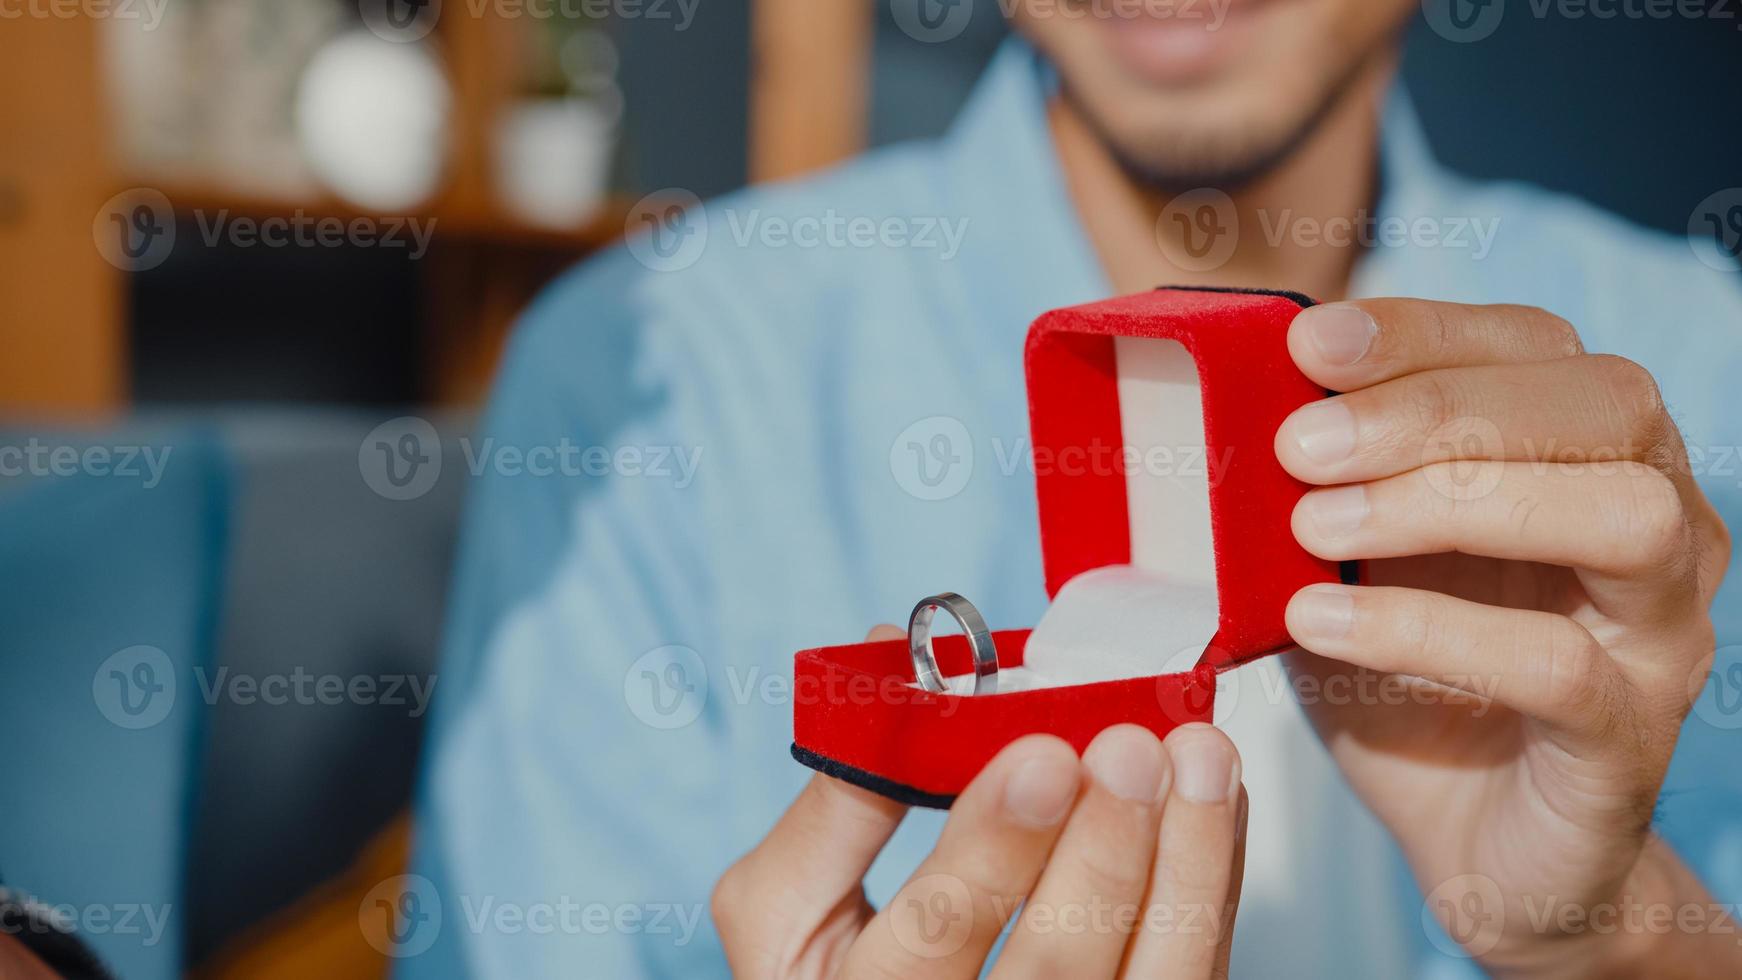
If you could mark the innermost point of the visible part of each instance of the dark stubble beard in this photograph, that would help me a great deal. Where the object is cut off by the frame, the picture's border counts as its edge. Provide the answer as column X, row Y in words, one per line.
column 1228, row 171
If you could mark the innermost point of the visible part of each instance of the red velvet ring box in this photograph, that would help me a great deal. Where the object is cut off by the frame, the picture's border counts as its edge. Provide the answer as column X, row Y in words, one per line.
column 1165, row 535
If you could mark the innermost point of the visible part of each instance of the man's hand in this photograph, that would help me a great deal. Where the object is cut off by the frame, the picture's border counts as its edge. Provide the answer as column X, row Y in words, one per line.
column 1540, row 557
column 1124, row 863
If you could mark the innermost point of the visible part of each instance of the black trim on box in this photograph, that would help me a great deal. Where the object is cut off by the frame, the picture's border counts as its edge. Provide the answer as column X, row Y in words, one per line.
column 899, row 792
column 1302, row 298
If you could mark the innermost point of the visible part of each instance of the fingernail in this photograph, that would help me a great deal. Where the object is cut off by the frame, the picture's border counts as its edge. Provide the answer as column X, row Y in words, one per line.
column 1129, row 762
column 1040, row 792
column 1341, row 334
column 1337, row 512
column 1206, row 770
column 1321, row 613
column 1324, row 431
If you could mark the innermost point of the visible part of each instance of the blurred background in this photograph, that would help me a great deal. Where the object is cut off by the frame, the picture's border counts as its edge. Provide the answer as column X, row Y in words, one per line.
column 268, row 239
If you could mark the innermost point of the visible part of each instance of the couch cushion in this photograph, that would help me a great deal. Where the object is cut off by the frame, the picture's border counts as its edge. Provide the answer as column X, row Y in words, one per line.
column 109, row 578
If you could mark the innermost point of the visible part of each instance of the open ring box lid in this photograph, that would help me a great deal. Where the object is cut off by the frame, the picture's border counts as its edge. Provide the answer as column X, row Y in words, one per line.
column 1165, row 536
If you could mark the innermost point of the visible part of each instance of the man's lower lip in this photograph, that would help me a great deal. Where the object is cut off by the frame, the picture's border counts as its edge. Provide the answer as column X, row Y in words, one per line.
column 1186, row 43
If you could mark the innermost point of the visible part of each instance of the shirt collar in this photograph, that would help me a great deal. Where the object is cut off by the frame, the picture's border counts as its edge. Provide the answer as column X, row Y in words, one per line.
column 1030, row 252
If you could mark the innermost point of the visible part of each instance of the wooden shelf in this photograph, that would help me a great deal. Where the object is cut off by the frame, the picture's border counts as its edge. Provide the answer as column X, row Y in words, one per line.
column 452, row 223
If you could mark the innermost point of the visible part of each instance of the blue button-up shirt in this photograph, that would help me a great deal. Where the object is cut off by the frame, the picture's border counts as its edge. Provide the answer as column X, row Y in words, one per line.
column 785, row 423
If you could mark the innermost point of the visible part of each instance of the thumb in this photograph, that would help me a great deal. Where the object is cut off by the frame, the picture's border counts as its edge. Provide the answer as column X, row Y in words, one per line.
column 813, row 859
column 831, row 833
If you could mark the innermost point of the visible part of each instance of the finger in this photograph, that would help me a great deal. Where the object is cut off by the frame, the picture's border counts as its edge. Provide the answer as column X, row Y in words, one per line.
column 804, row 871
column 832, row 831
column 1237, row 881
column 1356, row 345
column 1539, row 664
column 946, row 917
column 1595, row 410
column 1584, row 410
column 1352, row 345
column 1188, row 913
column 1087, row 904
column 1621, row 525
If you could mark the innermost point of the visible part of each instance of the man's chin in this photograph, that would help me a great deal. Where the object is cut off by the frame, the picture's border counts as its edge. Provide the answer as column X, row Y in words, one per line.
column 1225, row 139
column 1172, row 160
